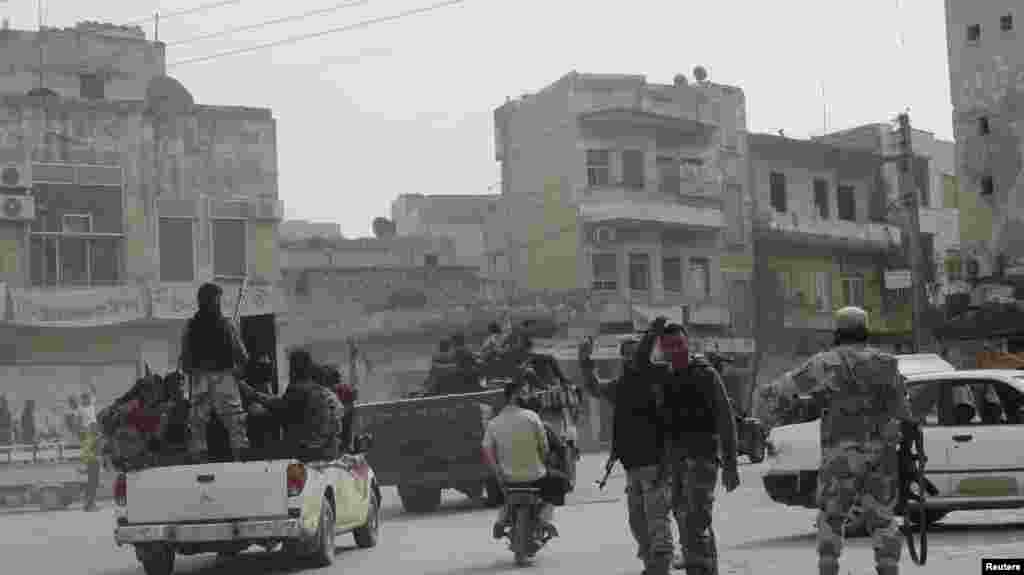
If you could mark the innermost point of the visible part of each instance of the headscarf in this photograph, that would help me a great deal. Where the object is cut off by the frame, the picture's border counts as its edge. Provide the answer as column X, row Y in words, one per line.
column 208, row 300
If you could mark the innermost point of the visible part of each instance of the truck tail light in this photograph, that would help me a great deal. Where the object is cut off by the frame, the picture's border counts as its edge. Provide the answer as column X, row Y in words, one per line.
column 296, row 475
column 121, row 490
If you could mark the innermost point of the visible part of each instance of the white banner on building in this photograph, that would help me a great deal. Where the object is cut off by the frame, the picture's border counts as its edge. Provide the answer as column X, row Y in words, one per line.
column 178, row 301
column 71, row 307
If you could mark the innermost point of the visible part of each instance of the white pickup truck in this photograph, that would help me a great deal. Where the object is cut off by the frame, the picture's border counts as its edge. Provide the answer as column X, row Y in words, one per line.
column 225, row 508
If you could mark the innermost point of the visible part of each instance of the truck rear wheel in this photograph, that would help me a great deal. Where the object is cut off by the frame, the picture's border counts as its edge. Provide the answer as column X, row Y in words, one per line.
column 326, row 535
column 367, row 535
column 419, row 499
column 157, row 559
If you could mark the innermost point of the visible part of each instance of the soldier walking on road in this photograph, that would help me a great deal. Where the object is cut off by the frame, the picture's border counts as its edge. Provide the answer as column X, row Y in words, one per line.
column 863, row 402
column 639, row 440
column 212, row 351
column 702, row 439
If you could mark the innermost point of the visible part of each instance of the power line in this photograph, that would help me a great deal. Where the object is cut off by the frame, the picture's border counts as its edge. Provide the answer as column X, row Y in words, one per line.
column 266, row 23
column 192, row 10
column 299, row 38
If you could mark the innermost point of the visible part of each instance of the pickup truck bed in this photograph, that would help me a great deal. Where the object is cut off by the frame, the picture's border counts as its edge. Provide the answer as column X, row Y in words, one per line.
column 227, row 507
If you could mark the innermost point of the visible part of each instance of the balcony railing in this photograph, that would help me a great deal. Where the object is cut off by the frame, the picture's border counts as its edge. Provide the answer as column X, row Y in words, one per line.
column 872, row 233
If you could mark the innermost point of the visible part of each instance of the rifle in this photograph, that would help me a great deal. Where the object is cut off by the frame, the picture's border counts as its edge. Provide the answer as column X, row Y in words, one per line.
column 914, row 490
column 609, row 464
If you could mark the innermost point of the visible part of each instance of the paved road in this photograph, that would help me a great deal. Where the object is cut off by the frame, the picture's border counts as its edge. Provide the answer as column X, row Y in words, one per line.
column 755, row 536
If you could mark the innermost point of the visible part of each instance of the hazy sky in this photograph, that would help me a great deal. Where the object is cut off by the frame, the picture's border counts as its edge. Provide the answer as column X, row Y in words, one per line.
column 406, row 106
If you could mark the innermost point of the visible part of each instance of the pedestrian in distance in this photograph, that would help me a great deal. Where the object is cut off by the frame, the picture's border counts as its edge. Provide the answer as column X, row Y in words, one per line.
column 863, row 403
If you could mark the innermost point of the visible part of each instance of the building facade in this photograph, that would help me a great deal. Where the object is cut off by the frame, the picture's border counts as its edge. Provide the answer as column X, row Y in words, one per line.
column 300, row 230
column 117, row 211
column 986, row 70
column 634, row 191
column 464, row 219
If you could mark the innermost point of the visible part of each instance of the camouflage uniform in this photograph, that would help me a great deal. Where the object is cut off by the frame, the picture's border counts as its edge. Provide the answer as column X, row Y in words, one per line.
column 649, row 501
column 863, row 400
column 318, row 425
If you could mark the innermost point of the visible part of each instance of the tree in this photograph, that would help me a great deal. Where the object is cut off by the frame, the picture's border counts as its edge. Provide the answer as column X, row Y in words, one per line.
column 384, row 228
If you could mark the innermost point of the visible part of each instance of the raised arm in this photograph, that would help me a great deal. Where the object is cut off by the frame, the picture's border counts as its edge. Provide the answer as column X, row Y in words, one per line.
column 601, row 389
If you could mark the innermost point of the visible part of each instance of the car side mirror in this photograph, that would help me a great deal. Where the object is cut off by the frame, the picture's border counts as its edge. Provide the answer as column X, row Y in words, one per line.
column 363, row 442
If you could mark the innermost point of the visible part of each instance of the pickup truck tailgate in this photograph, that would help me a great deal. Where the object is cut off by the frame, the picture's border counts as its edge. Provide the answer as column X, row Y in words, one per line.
column 208, row 492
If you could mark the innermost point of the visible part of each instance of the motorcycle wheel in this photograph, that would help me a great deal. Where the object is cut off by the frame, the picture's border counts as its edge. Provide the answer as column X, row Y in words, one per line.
column 521, row 531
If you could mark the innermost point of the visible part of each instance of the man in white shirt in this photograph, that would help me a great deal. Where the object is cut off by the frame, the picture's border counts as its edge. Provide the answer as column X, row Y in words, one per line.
column 515, row 446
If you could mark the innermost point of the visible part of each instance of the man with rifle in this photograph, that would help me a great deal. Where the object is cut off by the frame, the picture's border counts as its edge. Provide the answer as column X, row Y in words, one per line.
column 864, row 407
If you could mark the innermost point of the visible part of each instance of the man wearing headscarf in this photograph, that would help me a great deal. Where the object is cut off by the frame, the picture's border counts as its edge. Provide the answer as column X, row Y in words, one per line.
column 212, row 352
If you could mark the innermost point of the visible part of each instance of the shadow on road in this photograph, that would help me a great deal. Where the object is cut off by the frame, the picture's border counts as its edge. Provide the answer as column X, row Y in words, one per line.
column 995, row 533
column 256, row 563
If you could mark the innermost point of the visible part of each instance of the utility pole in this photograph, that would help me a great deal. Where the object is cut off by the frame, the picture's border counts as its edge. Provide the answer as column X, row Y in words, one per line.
column 910, row 194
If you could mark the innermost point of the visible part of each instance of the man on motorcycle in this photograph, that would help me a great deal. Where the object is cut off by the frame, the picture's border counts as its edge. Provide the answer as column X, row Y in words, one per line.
column 515, row 446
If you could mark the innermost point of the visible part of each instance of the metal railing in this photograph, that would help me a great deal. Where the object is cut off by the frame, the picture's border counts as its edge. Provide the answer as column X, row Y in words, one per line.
column 40, row 452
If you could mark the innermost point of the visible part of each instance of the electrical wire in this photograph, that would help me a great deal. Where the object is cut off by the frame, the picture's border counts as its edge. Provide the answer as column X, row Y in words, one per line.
column 266, row 23
column 300, row 37
column 192, row 10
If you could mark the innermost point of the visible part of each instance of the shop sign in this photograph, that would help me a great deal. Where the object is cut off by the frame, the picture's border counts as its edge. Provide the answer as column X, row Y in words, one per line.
column 77, row 307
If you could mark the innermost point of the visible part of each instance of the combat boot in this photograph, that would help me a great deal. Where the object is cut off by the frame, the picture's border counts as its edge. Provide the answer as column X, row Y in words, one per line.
column 888, row 570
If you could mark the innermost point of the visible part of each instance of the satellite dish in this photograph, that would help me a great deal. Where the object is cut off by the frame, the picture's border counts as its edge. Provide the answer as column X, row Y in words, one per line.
column 166, row 97
column 700, row 73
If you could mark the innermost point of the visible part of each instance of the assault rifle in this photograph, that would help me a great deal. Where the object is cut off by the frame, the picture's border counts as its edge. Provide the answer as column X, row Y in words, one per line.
column 914, row 490
column 609, row 464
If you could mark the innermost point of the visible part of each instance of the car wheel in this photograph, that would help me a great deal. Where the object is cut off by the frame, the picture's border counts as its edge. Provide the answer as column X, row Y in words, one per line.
column 367, row 535
column 326, row 535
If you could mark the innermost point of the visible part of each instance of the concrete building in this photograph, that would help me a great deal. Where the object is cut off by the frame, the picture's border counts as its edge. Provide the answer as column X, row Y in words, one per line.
column 634, row 191
column 91, row 61
column 934, row 171
column 464, row 219
column 986, row 72
column 116, row 211
column 300, row 230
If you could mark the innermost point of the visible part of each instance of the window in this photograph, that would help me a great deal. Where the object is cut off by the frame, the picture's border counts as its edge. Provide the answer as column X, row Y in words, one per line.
column 177, row 250
column 821, row 198
column 76, row 223
column 229, row 253
column 302, row 284
column 691, row 169
column 639, row 272
column 922, row 177
column 974, row 33
column 823, row 291
column 853, row 291
column 777, row 184
column 672, row 274
column 91, row 87
column 1006, row 22
column 633, row 169
column 983, row 128
column 847, row 203
column 599, row 168
column 669, row 179
column 964, row 402
column 700, row 274
column 988, row 186
column 606, row 272
column 430, row 260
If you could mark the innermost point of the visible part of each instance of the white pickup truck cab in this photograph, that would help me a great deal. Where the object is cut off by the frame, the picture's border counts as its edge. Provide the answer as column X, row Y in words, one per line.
column 975, row 465
column 225, row 508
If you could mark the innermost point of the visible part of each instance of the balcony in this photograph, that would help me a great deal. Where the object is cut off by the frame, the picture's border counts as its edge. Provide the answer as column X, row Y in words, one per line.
column 833, row 233
column 629, row 206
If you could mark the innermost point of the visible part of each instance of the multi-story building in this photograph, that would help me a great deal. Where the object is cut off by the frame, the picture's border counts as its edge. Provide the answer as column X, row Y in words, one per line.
column 986, row 72
column 821, row 242
column 934, row 169
column 464, row 219
column 115, row 211
column 299, row 230
column 632, row 190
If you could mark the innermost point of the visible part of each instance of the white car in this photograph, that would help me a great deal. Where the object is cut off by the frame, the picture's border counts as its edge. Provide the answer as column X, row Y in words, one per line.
column 974, row 465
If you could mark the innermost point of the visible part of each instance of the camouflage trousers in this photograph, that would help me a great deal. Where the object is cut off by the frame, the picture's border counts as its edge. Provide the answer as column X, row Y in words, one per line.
column 853, row 484
column 649, row 501
column 693, row 494
column 216, row 393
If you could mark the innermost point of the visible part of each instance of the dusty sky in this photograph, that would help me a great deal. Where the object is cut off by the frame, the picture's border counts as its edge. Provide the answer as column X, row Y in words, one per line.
column 406, row 106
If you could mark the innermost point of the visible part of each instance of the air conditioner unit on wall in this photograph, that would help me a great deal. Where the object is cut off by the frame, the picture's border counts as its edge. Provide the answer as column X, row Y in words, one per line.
column 19, row 208
column 14, row 176
column 604, row 234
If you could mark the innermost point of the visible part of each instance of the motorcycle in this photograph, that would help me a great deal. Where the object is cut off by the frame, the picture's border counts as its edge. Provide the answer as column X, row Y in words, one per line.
column 524, row 530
